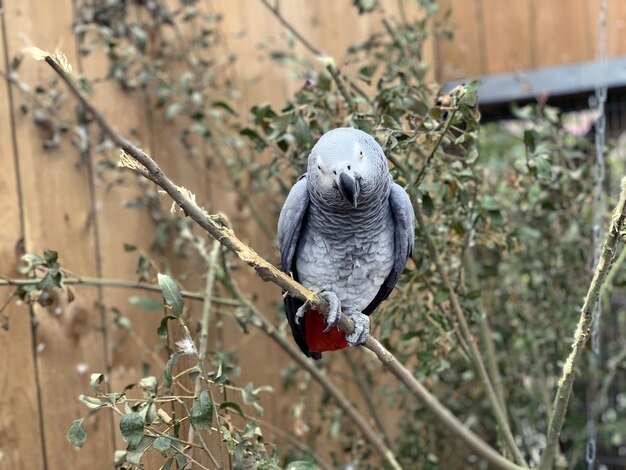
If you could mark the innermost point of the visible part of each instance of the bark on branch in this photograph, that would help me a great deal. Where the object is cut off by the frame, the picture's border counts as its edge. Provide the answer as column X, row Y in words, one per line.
column 566, row 382
column 269, row 272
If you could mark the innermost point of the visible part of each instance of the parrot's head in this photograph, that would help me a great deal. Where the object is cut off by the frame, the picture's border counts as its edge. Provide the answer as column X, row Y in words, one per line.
column 346, row 168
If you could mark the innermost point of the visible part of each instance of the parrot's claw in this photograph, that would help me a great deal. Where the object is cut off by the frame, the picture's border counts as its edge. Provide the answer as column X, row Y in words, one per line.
column 334, row 309
column 300, row 312
column 361, row 328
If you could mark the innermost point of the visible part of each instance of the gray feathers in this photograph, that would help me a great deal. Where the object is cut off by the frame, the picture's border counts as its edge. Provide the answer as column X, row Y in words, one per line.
column 327, row 244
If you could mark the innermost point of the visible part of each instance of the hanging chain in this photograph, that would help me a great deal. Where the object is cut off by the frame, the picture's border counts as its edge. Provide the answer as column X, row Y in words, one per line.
column 598, row 212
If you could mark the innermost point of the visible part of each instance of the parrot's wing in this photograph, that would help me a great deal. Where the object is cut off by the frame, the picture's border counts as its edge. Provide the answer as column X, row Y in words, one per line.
column 404, row 231
column 292, row 219
column 290, row 222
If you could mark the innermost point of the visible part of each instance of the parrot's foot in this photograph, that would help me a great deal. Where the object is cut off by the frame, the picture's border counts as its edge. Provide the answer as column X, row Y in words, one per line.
column 334, row 312
column 361, row 328
column 334, row 309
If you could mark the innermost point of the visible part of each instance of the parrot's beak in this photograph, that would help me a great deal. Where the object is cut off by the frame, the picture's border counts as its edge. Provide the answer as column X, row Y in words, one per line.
column 349, row 188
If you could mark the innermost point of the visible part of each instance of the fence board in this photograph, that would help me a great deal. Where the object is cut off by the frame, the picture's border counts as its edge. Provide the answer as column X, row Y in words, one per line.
column 615, row 41
column 21, row 445
column 507, row 33
column 58, row 215
column 461, row 57
column 132, row 354
column 562, row 33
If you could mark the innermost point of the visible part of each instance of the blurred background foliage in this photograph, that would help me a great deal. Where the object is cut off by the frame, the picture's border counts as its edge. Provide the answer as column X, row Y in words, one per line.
column 509, row 207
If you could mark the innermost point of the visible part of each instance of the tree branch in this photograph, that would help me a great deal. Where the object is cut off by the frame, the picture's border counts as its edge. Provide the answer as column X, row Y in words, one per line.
column 320, row 377
column 205, row 322
column 332, row 68
column 96, row 281
column 499, row 412
column 566, row 382
column 270, row 273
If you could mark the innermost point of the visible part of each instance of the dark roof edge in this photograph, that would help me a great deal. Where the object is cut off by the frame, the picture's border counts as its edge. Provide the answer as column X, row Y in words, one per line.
column 570, row 79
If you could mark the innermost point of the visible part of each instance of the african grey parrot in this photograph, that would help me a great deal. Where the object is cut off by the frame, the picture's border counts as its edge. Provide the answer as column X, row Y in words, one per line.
column 346, row 229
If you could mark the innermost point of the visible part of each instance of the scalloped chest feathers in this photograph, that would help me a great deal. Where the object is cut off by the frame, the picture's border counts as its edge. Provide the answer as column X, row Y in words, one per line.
column 349, row 253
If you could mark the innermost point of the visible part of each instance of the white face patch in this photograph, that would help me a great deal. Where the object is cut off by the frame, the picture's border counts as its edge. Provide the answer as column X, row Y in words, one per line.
column 358, row 151
column 318, row 162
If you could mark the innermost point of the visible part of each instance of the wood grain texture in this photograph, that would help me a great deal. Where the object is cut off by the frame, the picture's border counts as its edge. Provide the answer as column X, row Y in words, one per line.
column 562, row 32
column 508, row 35
column 137, row 354
column 462, row 56
column 21, row 440
column 58, row 215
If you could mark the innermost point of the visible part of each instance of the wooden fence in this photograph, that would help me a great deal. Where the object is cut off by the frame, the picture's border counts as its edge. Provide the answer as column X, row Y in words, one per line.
column 51, row 198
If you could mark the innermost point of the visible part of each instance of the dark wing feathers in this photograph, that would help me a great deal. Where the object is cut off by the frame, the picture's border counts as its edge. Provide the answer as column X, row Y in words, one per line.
column 290, row 223
column 404, row 227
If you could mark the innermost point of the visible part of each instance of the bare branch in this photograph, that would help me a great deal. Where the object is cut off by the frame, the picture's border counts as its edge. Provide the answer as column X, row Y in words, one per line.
column 270, row 273
column 566, row 382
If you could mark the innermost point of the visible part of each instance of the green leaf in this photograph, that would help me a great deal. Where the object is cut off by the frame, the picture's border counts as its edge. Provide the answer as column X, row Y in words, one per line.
column 131, row 426
column 301, row 465
column 427, row 204
column 162, row 330
column 365, row 6
column 529, row 140
column 167, row 373
column 134, row 456
column 123, row 322
column 181, row 460
column 234, row 405
column 470, row 97
column 171, row 293
column 224, row 105
column 95, row 380
column 51, row 257
column 77, row 434
column 140, row 37
column 32, row 260
column 162, row 443
column 254, row 136
column 92, row 403
column 119, row 457
column 543, row 166
column 202, row 411
column 114, row 397
column 145, row 303
column 172, row 110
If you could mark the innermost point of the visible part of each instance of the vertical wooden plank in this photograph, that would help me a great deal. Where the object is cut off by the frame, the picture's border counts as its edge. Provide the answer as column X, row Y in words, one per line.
column 562, row 33
column 21, row 444
column 57, row 215
column 130, row 358
column 615, row 40
column 461, row 57
column 507, row 36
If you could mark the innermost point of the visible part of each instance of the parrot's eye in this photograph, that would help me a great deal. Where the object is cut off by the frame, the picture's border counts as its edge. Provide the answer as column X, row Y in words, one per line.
column 334, row 172
column 348, row 167
column 361, row 153
column 319, row 167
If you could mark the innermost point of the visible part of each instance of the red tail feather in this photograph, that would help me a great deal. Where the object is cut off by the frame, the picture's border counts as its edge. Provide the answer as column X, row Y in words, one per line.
column 316, row 339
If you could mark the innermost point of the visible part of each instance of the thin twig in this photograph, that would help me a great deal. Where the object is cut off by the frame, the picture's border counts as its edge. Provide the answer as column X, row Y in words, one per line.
column 485, row 332
column 96, row 281
column 269, row 272
column 499, row 412
column 204, row 326
column 332, row 70
column 361, row 381
column 566, row 382
column 433, row 150
column 311, row 48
